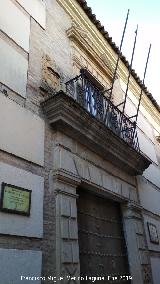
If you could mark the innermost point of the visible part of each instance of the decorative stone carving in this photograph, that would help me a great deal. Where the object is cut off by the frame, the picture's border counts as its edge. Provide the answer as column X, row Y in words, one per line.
column 76, row 28
column 50, row 75
column 146, row 274
column 153, row 233
column 108, row 62
column 81, row 40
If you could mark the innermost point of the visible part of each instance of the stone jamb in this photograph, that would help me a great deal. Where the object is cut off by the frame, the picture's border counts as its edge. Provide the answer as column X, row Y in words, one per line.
column 136, row 243
column 67, row 248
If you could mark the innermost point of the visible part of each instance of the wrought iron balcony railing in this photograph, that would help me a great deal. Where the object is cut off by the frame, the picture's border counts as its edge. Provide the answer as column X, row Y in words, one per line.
column 91, row 96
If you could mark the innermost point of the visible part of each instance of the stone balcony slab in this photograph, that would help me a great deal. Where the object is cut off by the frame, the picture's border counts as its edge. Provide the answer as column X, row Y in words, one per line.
column 66, row 115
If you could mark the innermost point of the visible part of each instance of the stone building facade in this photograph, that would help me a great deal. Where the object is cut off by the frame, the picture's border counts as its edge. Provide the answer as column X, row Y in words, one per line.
column 94, row 194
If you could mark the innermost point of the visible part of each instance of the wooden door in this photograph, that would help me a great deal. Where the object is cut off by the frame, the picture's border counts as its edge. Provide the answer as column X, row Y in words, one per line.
column 101, row 241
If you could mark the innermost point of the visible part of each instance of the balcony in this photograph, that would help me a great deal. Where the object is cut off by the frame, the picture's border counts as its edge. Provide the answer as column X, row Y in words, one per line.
column 90, row 94
column 85, row 113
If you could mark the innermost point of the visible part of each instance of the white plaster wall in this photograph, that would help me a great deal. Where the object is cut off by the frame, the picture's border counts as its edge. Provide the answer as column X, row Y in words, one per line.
column 155, row 264
column 14, row 224
column 142, row 122
column 16, row 263
column 21, row 131
column 156, row 222
column 36, row 8
column 149, row 196
column 130, row 108
column 153, row 174
column 145, row 126
column 14, row 68
column 147, row 146
column 19, row 27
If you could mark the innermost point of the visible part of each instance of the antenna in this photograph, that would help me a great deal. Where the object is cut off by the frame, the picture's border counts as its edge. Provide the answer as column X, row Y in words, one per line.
column 119, row 54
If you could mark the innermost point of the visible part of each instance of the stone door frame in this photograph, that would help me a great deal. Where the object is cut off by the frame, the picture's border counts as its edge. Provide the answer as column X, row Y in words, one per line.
column 67, row 246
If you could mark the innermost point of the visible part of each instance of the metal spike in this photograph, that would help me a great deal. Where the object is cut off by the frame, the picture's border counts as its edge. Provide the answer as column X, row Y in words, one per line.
column 145, row 70
column 115, row 71
column 140, row 97
column 130, row 69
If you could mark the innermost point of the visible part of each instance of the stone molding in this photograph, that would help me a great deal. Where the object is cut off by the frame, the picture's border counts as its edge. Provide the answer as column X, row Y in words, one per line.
column 80, row 37
column 64, row 176
column 66, row 115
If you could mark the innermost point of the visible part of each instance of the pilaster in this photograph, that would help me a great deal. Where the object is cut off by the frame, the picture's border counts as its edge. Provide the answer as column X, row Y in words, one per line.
column 67, row 248
column 136, row 244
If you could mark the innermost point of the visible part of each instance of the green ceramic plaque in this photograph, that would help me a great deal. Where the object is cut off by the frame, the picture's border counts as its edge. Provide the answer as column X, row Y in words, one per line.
column 15, row 199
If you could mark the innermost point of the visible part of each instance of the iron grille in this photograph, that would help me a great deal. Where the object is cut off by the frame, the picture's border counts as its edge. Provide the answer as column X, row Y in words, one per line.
column 92, row 97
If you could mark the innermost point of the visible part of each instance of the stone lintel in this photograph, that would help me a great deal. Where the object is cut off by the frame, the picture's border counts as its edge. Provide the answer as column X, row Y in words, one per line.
column 63, row 176
column 67, row 116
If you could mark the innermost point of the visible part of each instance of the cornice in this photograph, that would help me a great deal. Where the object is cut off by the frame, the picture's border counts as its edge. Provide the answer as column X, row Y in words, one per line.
column 81, row 38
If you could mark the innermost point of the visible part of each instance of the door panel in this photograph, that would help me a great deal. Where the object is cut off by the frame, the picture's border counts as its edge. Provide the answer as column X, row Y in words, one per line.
column 101, row 240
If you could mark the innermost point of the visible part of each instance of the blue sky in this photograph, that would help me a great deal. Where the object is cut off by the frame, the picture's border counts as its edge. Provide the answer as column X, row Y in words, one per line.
column 146, row 14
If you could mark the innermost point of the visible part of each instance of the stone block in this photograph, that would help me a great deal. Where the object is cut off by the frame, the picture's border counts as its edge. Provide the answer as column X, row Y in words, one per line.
column 95, row 175
column 144, row 257
column 67, row 252
column 23, row 134
column 37, row 9
column 75, row 251
column 107, row 181
column 65, row 206
column 15, row 29
column 155, row 264
column 73, row 230
column 73, row 208
column 14, row 66
column 141, row 242
column 67, row 162
column 133, row 194
column 65, row 228
column 139, row 227
column 117, row 186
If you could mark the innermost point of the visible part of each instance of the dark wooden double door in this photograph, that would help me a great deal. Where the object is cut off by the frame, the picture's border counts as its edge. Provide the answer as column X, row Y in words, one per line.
column 101, row 241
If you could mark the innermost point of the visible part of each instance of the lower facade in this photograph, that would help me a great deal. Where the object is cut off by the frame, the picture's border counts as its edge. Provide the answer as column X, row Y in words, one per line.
column 85, row 224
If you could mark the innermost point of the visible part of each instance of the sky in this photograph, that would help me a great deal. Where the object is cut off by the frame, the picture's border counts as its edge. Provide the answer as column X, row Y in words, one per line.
column 145, row 13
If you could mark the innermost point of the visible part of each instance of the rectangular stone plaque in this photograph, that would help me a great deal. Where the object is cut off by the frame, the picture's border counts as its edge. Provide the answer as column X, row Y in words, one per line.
column 15, row 199
column 153, row 234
